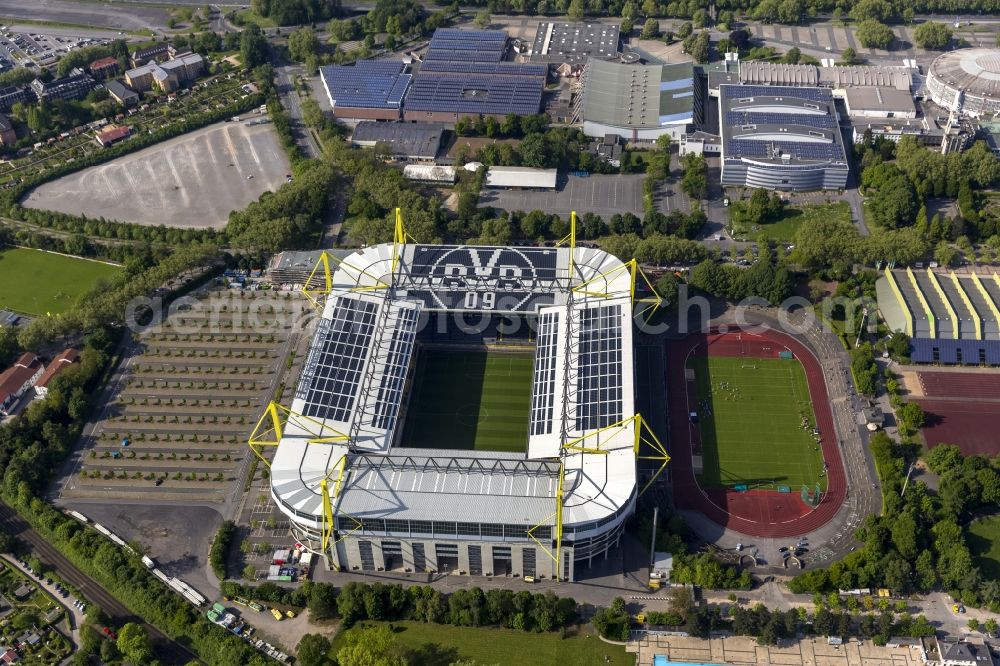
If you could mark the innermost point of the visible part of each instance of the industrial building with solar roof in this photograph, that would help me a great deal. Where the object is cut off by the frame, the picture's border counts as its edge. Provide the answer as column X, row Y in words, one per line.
column 367, row 90
column 363, row 496
column 463, row 74
column 951, row 318
column 781, row 138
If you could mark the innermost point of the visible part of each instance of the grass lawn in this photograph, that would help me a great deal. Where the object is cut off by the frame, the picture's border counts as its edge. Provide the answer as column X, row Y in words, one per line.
column 794, row 217
column 756, row 423
column 36, row 282
column 442, row 644
column 984, row 542
column 470, row 400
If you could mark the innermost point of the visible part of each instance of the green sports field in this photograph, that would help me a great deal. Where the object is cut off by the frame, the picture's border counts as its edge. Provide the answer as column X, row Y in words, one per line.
column 756, row 423
column 984, row 542
column 470, row 400
column 36, row 282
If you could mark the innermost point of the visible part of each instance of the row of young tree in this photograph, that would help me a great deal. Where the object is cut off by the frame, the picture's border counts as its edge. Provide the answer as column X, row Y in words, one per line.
column 472, row 607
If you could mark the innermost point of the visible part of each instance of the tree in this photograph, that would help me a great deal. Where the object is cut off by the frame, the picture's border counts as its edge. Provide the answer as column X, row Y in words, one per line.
column 371, row 646
column 134, row 643
column 302, row 44
column 483, row 19
column 866, row 10
column 848, row 56
column 698, row 46
column 739, row 39
column 650, row 29
column 874, row 35
column 912, row 415
column 312, row 650
column 932, row 35
column 253, row 46
column 575, row 11
column 990, row 627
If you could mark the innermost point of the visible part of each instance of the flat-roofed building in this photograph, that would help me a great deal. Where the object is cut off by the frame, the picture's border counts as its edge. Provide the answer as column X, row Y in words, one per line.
column 522, row 177
column 781, row 138
column 367, row 90
column 559, row 42
column 879, row 102
column 409, row 141
column 636, row 102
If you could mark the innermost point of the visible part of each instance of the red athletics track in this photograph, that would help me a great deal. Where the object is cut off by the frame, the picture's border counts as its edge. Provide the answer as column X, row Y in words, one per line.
column 963, row 408
column 760, row 513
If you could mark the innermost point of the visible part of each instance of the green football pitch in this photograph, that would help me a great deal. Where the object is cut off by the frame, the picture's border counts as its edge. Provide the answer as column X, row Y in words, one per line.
column 36, row 282
column 756, row 422
column 470, row 400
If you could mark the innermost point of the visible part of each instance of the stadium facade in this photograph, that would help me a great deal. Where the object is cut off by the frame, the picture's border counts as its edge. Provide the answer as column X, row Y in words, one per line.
column 967, row 80
column 358, row 496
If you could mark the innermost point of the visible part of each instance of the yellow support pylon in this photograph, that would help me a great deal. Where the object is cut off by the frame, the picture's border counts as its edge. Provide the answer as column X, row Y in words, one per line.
column 271, row 426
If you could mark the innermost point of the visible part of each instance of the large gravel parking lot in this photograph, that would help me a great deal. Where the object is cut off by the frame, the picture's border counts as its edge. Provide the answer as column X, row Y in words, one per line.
column 194, row 180
column 89, row 13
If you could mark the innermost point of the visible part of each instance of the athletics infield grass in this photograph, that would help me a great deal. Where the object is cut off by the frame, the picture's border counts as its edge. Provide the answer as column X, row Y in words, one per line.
column 470, row 400
column 756, row 421
column 35, row 282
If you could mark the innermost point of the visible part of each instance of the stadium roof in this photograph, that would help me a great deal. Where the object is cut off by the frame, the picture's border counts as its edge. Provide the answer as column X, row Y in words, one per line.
column 370, row 84
column 628, row 95
column 413, row 140
column 779, row 124
column 557, row 42
column 352, row 384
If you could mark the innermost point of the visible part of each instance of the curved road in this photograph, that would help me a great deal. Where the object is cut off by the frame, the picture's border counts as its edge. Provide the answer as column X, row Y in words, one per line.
column 166, row 649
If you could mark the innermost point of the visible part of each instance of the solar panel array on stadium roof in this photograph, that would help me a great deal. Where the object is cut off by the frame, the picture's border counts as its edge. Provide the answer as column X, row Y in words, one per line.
column 599, row 372
column 805, row 92
column 378, row 84
column 337, row 361
column 390, row 389
column 544, row 383
column 736, row 118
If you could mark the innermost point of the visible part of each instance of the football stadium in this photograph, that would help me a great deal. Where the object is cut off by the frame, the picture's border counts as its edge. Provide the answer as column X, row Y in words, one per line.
column 465, row 410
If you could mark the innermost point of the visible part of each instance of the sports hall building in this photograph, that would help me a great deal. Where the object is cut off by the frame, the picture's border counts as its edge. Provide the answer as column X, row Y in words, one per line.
column 361, row 498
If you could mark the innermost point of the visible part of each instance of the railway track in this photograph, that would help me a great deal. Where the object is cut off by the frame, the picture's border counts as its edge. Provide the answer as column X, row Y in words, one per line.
column 166, row 650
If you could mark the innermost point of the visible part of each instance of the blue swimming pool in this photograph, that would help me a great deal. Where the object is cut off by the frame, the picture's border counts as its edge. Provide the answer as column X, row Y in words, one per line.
column 660, row 660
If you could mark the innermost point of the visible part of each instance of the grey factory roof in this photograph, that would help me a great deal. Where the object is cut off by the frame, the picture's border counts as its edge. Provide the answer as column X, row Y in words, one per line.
column 414, row 140
column 771, row 73
column 975, row 71
column 638, row 95
column 866, row 75
column 780, row 124
column 879, row 98
column 558, row 42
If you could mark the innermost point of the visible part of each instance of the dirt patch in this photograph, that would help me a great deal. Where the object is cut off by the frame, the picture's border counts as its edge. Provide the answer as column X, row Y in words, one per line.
column 191, row 181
